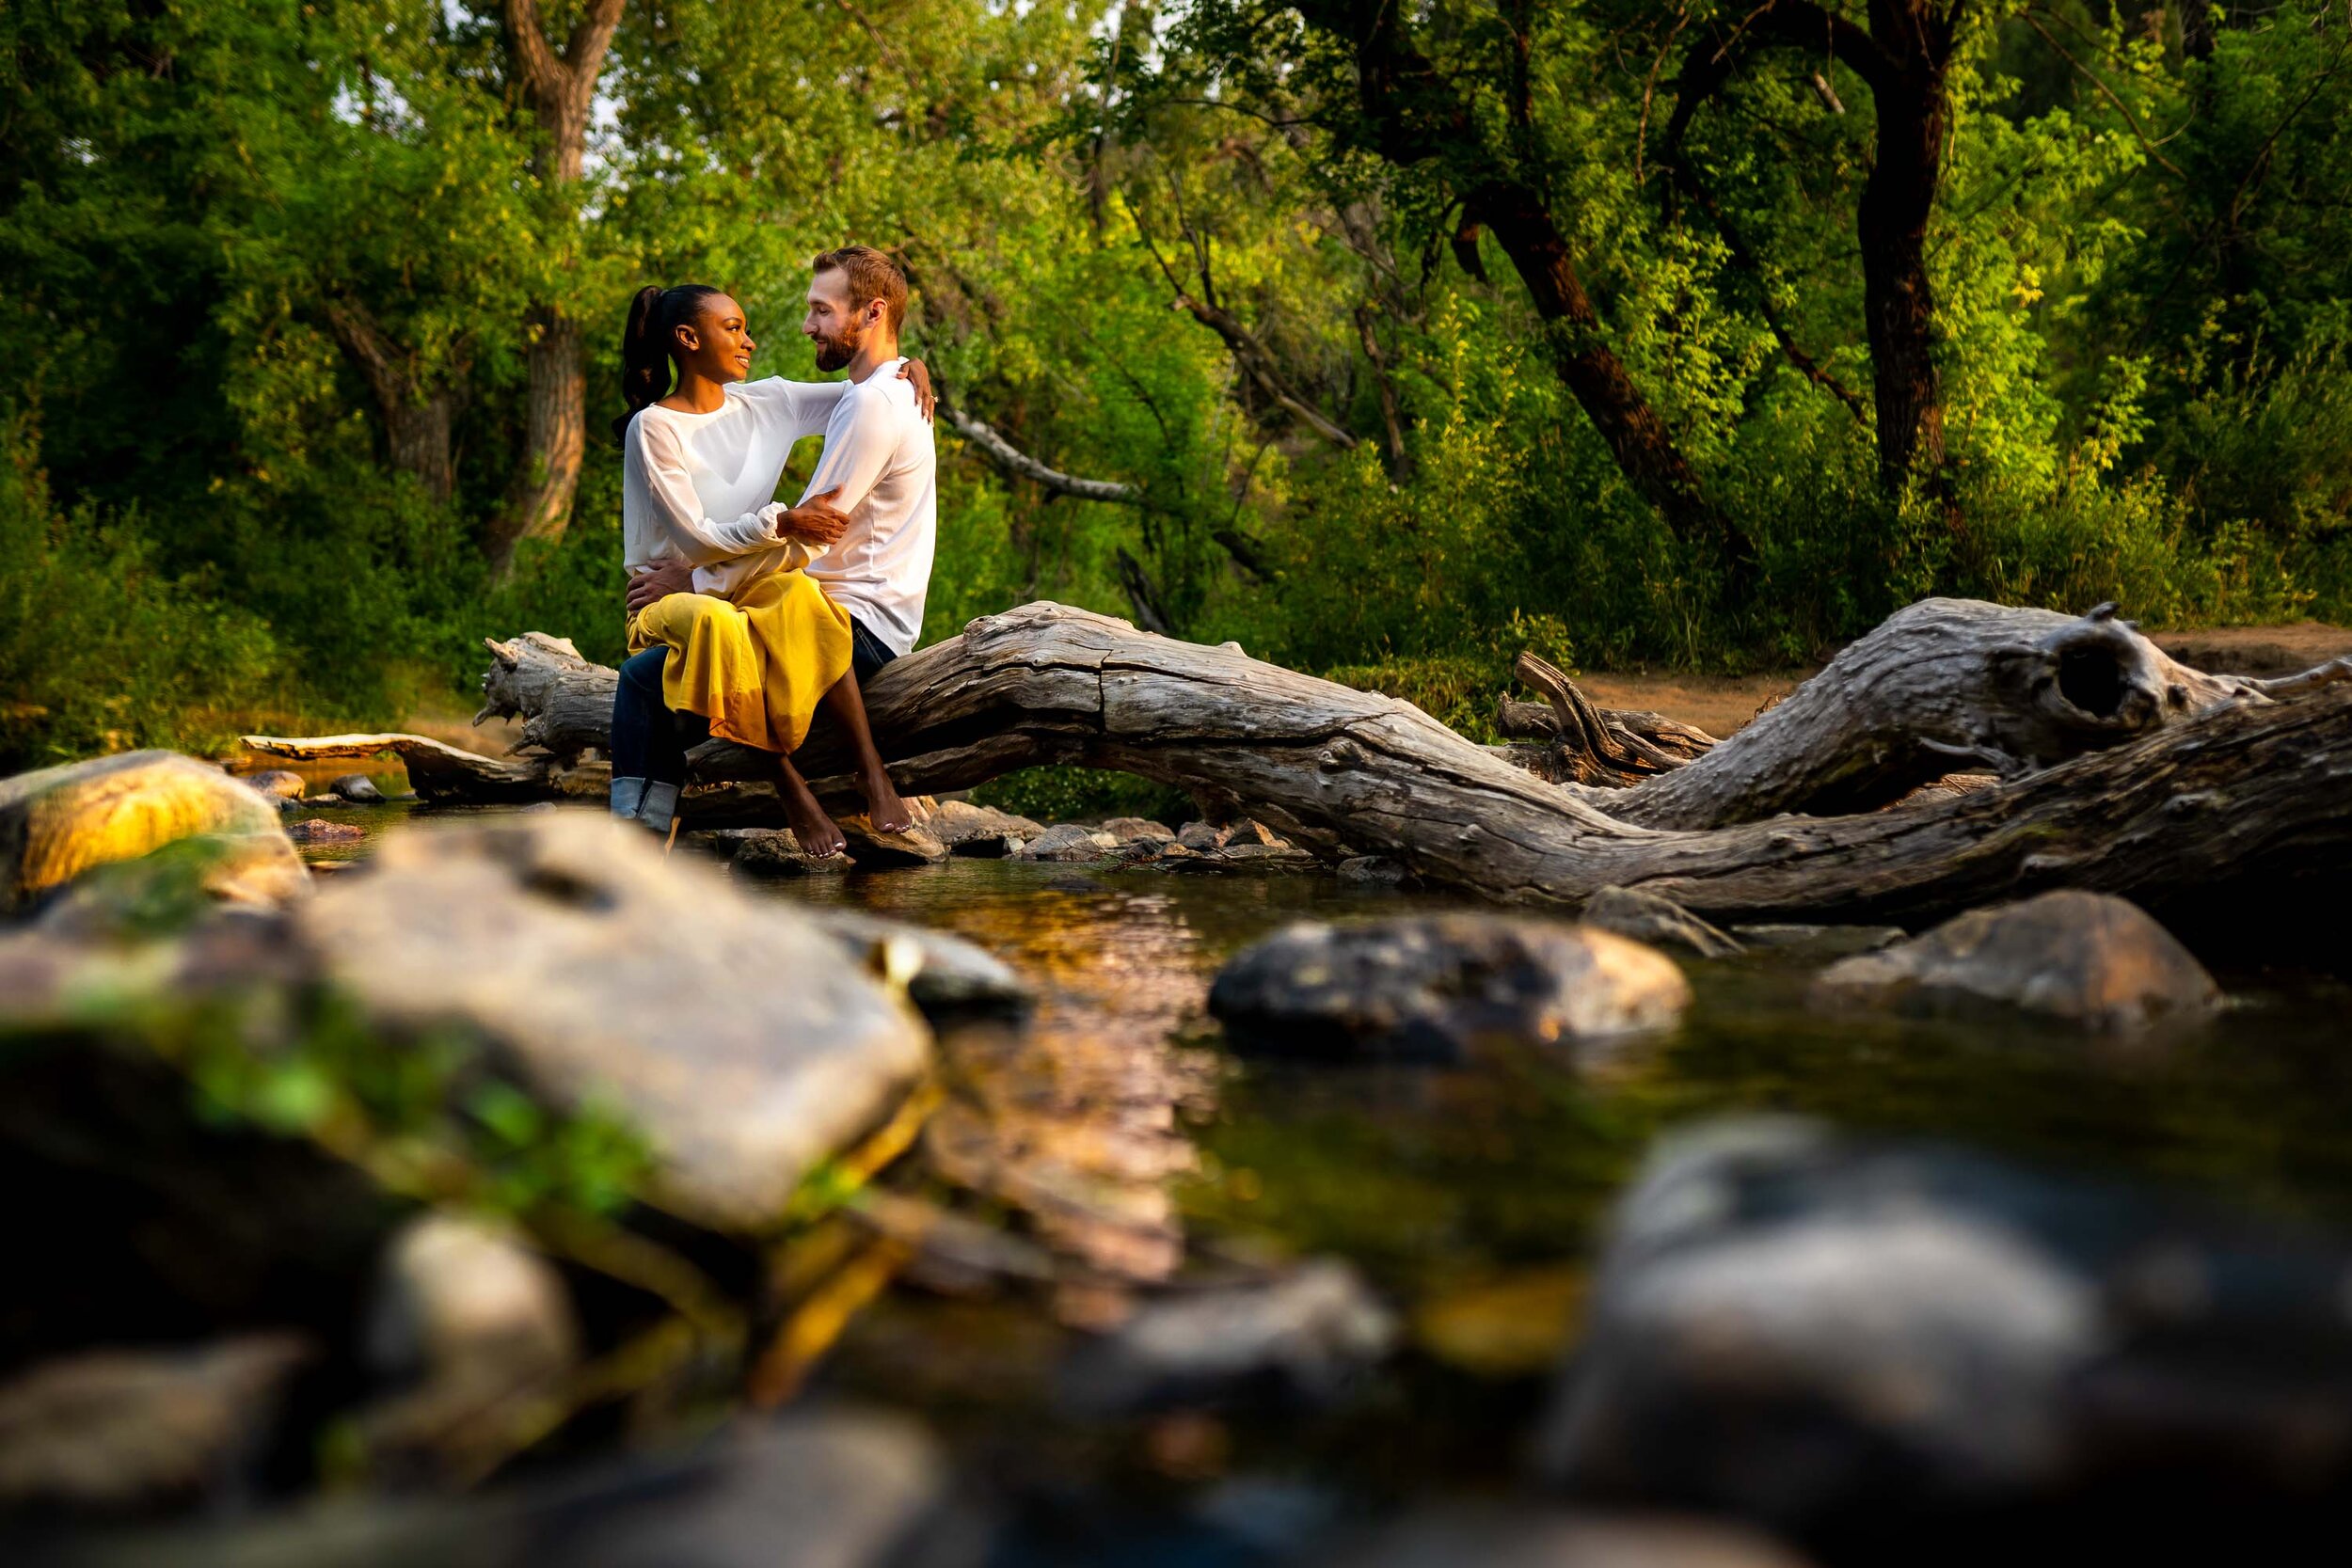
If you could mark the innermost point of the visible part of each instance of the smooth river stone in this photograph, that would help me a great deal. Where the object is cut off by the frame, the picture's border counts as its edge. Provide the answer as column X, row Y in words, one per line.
column 726, row 1027
column 59, row 822
column 980, row 831
column 2081, row 959
column 1434, row 987
column 1827, row 1332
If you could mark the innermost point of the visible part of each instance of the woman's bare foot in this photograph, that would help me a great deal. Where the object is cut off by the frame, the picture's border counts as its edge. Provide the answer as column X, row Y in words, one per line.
column 883, row 809
column 813, row 829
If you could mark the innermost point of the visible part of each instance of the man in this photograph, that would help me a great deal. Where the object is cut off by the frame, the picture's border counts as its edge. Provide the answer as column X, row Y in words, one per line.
column 878, row 466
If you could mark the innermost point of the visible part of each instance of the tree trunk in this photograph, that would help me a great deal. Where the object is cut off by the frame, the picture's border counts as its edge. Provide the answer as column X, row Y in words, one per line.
column 416, row 417
column 555, row 436
column 1914, row 119
column 2166, row 797
column 1416, row 115
column 561, row 90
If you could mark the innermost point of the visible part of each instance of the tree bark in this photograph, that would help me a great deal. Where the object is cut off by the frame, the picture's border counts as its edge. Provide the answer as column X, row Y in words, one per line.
column 2226, row 784
column 416, row 415
column 561, row 90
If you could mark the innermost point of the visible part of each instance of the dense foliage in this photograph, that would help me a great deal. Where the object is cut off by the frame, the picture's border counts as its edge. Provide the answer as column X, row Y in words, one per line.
column 1336, row 290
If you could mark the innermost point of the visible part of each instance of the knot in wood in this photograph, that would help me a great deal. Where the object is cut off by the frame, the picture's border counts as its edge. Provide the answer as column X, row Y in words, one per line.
column 1337, row 755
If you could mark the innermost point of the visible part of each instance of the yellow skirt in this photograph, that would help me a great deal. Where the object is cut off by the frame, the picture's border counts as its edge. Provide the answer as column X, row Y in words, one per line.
column 756, row 665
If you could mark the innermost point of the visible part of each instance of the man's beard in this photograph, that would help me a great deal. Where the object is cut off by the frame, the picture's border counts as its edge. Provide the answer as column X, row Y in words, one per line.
column 834, row 353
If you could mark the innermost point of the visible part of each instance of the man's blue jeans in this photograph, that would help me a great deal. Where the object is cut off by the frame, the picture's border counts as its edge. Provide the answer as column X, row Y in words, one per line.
column 650, row 743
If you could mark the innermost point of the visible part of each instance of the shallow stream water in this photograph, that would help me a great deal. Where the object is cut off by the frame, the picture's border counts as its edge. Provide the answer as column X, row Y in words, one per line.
column 1471, row 1198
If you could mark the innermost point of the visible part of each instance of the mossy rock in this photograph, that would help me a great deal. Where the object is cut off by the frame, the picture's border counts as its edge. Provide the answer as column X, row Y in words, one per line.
column 60, row 822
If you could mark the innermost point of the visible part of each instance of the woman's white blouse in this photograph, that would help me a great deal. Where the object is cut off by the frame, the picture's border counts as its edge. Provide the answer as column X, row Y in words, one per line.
column 701, row 487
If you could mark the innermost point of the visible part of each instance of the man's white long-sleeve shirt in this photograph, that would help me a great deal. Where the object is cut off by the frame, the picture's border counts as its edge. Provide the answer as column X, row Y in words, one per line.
column 879, row 455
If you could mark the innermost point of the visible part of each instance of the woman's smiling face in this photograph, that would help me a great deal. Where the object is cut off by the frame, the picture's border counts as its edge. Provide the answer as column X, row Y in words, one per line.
column 718, row 342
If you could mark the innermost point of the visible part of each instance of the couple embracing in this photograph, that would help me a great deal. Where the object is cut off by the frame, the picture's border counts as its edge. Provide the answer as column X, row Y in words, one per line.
column 745, row 613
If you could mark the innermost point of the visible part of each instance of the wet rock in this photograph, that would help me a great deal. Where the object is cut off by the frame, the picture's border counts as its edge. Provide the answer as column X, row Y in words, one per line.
column 1834, row 1334
column 943, row 973
column 1501, row 1536
column 465, row 1320
column 357, row 788
column 177, row 885
column 1818, row 941
column 1302, row 1336
column 119, row 1431
column 815, row 1489
column 2083, row 958
column 1659, row 920
column 1202, row 837
column 601, row 971
column 1433, row 987
column 59, row 822
column 772, row 853
column 875, row 851
column 279, row 784
column 1249, row 831
column 317, row 830
column 1127, row 830
column 969, row 830
column 1373, row 871
column 1068, row 842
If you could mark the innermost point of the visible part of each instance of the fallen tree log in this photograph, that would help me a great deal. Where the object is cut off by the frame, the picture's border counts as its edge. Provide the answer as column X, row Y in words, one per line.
column 2159, row 794
column 438, row 771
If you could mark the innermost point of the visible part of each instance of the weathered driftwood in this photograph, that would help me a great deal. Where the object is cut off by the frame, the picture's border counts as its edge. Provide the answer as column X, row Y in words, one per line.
column 438, row 771
column 2153, row 779
column 1943, row 686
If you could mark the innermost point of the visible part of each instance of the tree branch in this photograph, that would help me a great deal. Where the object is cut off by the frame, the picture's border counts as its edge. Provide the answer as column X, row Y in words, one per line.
column 1013, row 461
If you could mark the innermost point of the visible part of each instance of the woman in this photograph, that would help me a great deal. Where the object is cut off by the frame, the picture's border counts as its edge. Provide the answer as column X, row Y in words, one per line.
column 699, row 473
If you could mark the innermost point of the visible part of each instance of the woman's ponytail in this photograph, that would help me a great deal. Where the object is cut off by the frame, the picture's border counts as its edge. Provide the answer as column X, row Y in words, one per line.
column 648, row 342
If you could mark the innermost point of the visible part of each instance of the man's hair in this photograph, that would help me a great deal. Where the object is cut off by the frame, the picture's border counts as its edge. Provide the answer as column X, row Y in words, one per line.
column 872, row 275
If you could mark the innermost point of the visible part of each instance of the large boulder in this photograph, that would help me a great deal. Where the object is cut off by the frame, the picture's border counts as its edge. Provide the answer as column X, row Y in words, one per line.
column 59, row 822
column 2081, row 959
column 1837, row 1334
column 1433, row 987
column 726, row 1028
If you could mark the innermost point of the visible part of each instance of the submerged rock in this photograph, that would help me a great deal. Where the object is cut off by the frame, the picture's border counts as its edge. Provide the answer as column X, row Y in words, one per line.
column 1373, row 871
column 119, row 1431
column 1818, row 941
column 1303, row 1335
column 607, row 974
column 2084, row 958
column 814, row 1489
column 317, row 830
column 1532, row 1536
column 1832, row 1333
column 59, row 822
column 279, row 784
column 943, row 973
column 1432, row 988
column 357, row 788
column 1068, row 842
column 1648, row 917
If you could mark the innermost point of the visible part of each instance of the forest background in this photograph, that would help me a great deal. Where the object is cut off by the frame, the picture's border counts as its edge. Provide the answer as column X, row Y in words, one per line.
column 1389, row 342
